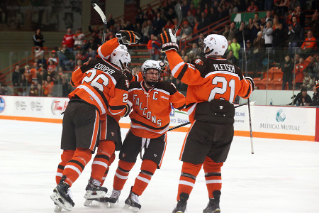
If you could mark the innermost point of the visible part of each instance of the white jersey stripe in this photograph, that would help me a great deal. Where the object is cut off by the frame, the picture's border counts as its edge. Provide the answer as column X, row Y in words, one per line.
column 94, row 97
column 177, row 67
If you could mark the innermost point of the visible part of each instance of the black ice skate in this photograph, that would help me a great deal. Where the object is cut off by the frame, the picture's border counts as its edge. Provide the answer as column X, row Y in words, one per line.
column 132, row 203
column 94, row 191
column 61, row 196
column 213, row 204
column 181, row 204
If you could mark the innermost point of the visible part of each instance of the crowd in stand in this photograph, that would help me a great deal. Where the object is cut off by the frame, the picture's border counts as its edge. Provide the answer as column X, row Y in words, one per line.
column 284, row 26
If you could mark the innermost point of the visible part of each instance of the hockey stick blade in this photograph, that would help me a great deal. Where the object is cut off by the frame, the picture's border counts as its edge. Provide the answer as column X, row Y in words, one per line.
column 100, row 12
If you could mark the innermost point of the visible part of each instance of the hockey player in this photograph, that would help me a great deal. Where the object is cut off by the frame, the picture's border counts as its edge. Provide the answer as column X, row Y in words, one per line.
column 109, row 135
column 213, row 84
column 152, row 100
column 101, row 88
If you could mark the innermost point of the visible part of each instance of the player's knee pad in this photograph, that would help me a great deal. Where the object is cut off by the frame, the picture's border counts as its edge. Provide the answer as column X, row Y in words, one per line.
column 106, row 148
column 148, row 167
column 191, row 169
column 82, row 155
column 125, row 166
column 210, row 166
column 67, row 155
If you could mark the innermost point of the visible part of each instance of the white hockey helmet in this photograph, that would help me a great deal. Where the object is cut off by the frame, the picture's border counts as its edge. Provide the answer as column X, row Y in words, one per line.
column 151, row 64
column 121, row 57
column 217, row 45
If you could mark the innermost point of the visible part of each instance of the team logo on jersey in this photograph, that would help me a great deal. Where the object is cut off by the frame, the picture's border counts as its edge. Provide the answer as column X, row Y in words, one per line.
column 127, row 83
column 199, row 62
column 112, row 133
column 2, row 104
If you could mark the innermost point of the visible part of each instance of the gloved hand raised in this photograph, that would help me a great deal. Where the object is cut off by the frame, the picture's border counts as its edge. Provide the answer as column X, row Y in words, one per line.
column 168, row 40
column 127, row 37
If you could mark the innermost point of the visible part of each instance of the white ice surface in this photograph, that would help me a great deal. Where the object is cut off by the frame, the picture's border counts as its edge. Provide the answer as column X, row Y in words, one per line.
column 282, row 176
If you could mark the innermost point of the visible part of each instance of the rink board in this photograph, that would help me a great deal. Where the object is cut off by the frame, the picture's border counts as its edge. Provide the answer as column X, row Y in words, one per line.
column 293, row 123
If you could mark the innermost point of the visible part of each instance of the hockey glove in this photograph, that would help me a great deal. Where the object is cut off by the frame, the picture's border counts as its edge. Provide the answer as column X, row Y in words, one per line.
column 250, row 80
column 317, row 85
column 127, row 37
column 128, row 108
column 168, row 40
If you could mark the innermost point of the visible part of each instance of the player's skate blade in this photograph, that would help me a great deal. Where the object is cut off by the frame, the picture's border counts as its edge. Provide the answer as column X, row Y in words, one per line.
column 57, row 208
column 130, row 208
column 60, row 201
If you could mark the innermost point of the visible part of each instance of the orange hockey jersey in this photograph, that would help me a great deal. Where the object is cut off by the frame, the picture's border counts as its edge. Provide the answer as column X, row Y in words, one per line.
column 103, row 85
column 151, row 109
column 208, row 79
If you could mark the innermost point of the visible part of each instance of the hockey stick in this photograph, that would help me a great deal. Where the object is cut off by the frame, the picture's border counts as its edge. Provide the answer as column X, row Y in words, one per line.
column 103, row 17
column 184, row 124
column 246, row 72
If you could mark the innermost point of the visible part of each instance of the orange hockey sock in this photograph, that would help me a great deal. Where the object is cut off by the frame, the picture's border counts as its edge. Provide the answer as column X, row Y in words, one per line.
column 188, row 178
column 148, row 168
column 65, row 158
column 213, row 176
column 112, row 158
column 101, row 160
column 75, row 166
column 121, row 174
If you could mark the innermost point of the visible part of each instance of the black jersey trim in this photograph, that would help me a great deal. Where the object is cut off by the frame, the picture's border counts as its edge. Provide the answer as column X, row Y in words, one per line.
column 247, row 92
column 181, row 74
column 118, row 107
column 148, row 126
column 60, row 167
column 182, row 107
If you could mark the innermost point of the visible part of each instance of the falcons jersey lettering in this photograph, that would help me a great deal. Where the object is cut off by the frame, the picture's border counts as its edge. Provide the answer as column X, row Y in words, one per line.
column 151, row 109
column 103, row 85
column 208, row 79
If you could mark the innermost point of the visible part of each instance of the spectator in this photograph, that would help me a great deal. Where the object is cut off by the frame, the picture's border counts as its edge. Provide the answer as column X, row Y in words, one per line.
column 268, row 4
column 51, row 69
column 293, row 4
column 288, row 17
column 38, row 39
column 23, row 86
column 259, row 45
column 39, row 88
column 201, row 40
column 79, row 38
column 110, row 22
column 281, row 6
column 315, row 96
column 212, row 15
column 153, row 47
column 293, row 34
column 150, row 28
column 192, row 9
column 204, row 21
column 169, row 25
column 140, row 17
column 314, row 24
column 150, row 12
column 186, row 31
column 308, row 81
column 310, row 44
column 232, row 8
column 170, row 14
column 27, row 75
column 275, row 23
column 269, row 16
column 231, row 58
column 3, row 89
column 299, row 68
column 16, row 78
column 241, row 5
column 196, row 26
column 66, row 86
column 80, row 56
column 185, row 7
column 235, row 47
column 302, row 98
column 287, row 68
column 230, row 34
column 33, row 91
column 195, row 49
column 79, row 64
column 278, row 36
column 94, row 31
column 267, row 34
column 252, row 7
column 50, row 86
column 42, row 74
column 34, row 73
column 144, row 34
column 53, row 58
column 68, row 39
column 301, row 19
column 45, row 88
column 311, row 67
column 129, row 26
column 190, row 18
column 240, row 32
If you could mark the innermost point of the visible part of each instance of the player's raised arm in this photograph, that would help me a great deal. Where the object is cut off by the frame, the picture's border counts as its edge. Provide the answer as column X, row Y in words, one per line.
column 176, row 98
